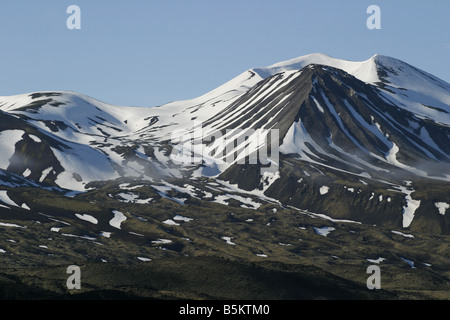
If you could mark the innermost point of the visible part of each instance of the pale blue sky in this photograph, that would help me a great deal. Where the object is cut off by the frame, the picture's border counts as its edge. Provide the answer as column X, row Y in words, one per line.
column 150, row 52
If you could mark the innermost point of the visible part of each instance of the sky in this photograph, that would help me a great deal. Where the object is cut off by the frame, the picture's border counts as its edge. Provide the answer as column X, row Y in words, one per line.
column 151, row 52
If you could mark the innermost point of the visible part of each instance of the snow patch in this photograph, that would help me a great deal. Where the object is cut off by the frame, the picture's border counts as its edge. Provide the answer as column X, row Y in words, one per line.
column 403, row 234
column 10, row 225
column 442, row 206
column 36, row 139
column 181, row 218
column 26, row 173
column 86, row 217
column 4, row 198
column 119, row 217
column 410, row 208
column 24, row 206
column 162, row 241
column 170, row 222
column 318, row 105
column 324, row 231
column 45, row 173
column 144, row 259
column 228, row 241
column 376, row 260
column 105, row 234
column 324, row 190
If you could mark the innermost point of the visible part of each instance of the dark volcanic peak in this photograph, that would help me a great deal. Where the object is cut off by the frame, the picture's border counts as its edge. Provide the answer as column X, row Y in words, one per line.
column 329, row 116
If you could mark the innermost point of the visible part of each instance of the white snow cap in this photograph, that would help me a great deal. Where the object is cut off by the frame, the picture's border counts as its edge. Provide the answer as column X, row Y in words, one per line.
column 365, row 70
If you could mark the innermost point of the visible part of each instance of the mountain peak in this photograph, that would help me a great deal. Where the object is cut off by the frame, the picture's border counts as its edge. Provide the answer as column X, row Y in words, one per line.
column 363, row 70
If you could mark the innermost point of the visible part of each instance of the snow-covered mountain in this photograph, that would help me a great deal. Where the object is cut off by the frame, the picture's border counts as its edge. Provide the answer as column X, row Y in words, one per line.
column 353, row 139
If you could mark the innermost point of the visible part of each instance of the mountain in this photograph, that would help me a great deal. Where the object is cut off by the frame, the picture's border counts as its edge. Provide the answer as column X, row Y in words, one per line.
column 337, row 144
column 377, row 124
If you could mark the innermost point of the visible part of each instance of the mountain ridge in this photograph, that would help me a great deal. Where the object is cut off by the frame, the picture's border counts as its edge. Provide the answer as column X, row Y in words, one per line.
column 330, row 114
